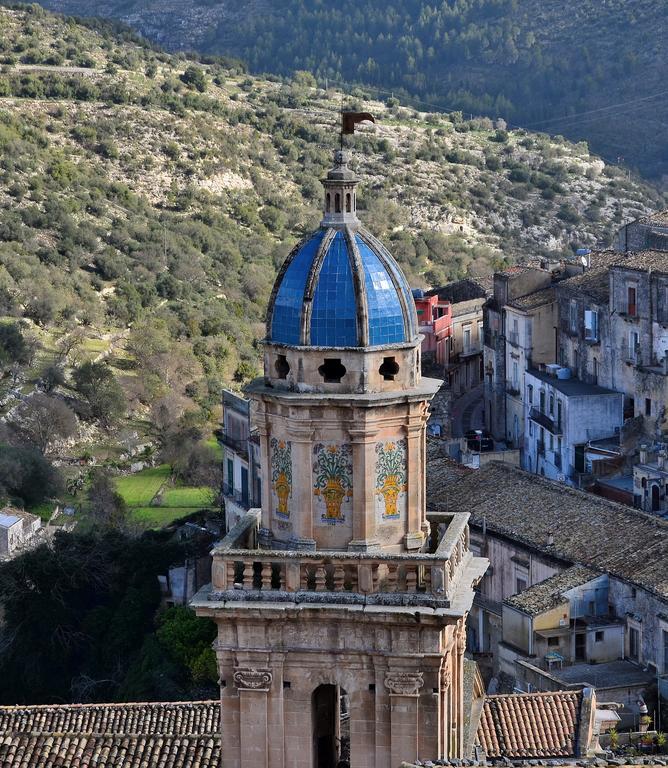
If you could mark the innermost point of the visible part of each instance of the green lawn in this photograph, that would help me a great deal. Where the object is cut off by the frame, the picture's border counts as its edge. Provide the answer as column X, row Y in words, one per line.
column 159, row 517
column 187, row 497
column 139, row 489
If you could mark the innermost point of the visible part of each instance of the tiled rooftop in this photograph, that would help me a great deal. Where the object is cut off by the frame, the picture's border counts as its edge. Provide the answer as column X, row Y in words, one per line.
column 530, row 725
column 461, row 290
column 581, row 527
column 657, row 261
column 549, row 593
column 594, row 281
column 170, row 735
column 659, row 218
column 571, row 387
column 534, row 300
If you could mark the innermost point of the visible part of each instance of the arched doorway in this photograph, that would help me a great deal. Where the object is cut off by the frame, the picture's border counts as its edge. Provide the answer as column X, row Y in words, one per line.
column 331, row 727
column 656, row 500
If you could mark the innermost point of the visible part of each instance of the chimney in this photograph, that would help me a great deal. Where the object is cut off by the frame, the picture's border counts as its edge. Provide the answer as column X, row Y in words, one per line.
column 550, row 540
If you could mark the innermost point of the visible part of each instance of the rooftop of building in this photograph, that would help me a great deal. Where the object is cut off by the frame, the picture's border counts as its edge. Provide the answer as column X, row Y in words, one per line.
column 643, row 261
column 658, row 218
column 10, row 516
column 560, row 521
column 467, row 289
column 530, row 725
column 534, row 300
column 174, row 735
column 609, row 674
column 571, row 387
column 594, row 281
column 549, row 593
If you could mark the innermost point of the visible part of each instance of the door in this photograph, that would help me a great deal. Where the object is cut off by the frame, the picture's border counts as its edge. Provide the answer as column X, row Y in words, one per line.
column 244, row 486
column 656, row 500
column 580, row 646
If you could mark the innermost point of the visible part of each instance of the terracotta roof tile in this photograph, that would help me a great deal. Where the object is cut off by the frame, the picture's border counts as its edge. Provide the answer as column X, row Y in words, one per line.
column 560, row 521
column 530, row 725
column 169, row 735
column 550, row 593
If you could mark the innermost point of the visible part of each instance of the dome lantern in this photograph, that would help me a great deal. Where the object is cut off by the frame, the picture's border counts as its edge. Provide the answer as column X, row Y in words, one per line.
column 340, row 202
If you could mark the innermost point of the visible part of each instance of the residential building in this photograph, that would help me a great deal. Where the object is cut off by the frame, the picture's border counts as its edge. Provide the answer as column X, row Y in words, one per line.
column 650, row 482
column 323, row 596
column 435, row 325
column 647, row 232
column 531, row 529
column 461, row 348
column 562, row 415
column 17, row 529
column 242, row 485
column 519, row 322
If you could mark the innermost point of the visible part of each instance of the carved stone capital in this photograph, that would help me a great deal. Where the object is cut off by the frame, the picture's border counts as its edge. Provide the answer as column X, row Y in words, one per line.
column 404, row 683
column 247, row 679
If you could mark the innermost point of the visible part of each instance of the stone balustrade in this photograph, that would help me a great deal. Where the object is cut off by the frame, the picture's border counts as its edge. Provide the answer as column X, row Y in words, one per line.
column 270, row 573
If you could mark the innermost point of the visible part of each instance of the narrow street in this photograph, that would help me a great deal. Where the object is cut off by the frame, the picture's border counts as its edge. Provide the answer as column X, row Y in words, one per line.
column 467, row 412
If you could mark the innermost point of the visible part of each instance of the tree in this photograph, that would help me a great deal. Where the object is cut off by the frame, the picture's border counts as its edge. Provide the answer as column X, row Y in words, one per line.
column 107, row 506
column 52, row 376
column 41, row 420
column 102, row 393
column 26, row 476
column 194, row 77
column 13, row 347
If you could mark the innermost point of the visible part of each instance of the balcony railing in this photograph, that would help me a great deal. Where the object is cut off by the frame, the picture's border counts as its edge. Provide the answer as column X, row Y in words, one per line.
column 237, row 445
column 236, row 495
column 535, row 414
column 251, row 574
column 514, row 338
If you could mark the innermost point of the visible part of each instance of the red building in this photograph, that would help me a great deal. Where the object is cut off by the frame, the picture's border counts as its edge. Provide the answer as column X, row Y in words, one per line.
column 435, row 322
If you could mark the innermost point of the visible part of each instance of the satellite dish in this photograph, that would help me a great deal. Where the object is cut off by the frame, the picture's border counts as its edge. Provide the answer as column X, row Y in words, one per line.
column 584, row 261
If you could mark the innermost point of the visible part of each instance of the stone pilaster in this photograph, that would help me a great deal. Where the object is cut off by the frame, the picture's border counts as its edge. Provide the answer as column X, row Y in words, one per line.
column 363, row 440
column 253, row 685
column 404, row 688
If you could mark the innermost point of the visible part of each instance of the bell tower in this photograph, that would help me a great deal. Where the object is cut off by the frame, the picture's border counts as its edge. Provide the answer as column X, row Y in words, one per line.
column 341, row 605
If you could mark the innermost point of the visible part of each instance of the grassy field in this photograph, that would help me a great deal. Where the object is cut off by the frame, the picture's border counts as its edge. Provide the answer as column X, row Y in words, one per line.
column 159, row 517
column 187, row 497
column 138, row 490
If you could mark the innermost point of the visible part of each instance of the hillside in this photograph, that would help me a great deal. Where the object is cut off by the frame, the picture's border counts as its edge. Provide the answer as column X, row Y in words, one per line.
column 535, row 62
column 147, row 201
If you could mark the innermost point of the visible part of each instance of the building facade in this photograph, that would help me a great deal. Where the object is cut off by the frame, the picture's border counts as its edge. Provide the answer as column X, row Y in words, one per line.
column 341, row 608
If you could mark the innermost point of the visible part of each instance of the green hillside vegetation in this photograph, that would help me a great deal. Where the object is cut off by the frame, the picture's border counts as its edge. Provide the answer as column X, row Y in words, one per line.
column 531, row 62
column 147, row 200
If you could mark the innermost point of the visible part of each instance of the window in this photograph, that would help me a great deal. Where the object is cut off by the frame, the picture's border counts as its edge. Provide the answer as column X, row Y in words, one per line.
column 559, row 409
column 634, row 644
column 348, row 202
column 530, row 394
column 648, row 406
column 520, row 585
column 664, row 638
column 551, row 405
column 599, row 636
column 282, row 367
column 573, row 316
column 551, row 442
column 553, row 642
column 542, row 401
column 576, row 361
column 591, row 325
column 481, row 333
column 631, row 300
column 389, row 369
column 595, row 372
column 530, row 428
column 516, row 376
column 337, row 203
column 467, row 340
column 230, row 475
column 332, row 371
column 634, row 344
column 329, row 203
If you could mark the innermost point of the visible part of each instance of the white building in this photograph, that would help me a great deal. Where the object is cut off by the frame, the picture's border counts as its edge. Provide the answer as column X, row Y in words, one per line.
column 561, row 416
column 241, row 459
column 16, row 530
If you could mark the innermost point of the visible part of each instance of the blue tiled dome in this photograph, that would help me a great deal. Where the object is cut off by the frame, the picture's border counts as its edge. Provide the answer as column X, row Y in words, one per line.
column 341, row 288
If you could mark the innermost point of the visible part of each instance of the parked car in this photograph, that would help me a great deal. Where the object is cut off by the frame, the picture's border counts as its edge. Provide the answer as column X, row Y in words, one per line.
column 479, row 440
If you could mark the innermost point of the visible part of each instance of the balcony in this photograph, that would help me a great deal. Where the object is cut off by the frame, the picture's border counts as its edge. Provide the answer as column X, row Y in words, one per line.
column 344, row 577
column 512, row 389
column 543, row 420
column 235, row 444
column 237, row 496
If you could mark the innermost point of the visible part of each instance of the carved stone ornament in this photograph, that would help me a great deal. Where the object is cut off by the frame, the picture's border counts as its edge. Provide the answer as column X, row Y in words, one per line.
column 404, row 683
column 446, row 676
column 247, row 679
